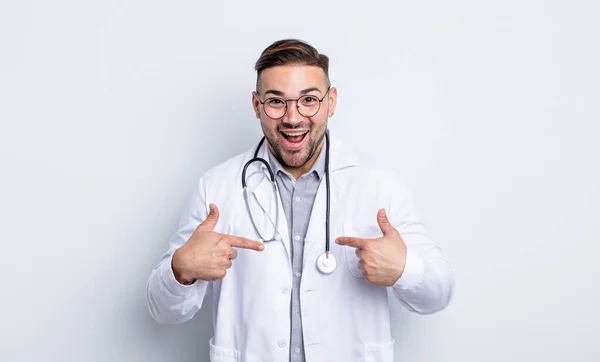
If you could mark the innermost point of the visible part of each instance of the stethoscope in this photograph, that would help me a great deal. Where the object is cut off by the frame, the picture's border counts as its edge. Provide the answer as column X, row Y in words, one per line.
column 326, row 262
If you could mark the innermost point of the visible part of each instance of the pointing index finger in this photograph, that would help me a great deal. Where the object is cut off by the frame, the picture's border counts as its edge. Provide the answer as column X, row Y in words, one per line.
column 350, row 241
column 244, row 243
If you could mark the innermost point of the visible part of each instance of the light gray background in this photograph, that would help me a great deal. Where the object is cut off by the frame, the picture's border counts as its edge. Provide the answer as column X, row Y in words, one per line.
column 111, row 110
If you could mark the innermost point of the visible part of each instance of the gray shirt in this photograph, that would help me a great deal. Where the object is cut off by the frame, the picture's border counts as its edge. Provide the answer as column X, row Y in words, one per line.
column 297, row 197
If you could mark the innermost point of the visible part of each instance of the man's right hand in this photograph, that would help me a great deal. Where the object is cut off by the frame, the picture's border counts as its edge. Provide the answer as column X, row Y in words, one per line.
column 208, row 255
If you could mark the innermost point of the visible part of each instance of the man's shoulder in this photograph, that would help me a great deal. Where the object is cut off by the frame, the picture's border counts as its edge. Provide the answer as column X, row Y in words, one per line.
column 370, row 171
column 367, row 164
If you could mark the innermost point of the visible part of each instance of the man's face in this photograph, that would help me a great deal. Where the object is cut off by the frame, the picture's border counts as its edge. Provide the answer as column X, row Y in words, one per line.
column 294, row 138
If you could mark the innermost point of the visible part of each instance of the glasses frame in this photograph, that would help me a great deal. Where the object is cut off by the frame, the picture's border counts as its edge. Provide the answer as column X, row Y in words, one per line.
column 297, row 104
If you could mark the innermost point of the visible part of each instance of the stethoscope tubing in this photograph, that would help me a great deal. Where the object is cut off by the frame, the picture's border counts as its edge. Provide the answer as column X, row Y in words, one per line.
column 272, row 177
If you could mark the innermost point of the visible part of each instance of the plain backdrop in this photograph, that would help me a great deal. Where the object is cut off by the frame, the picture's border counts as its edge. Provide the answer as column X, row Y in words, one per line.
column 111, row 110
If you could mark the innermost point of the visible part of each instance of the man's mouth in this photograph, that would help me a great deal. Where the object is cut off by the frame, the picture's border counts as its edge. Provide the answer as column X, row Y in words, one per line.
column 294, row 137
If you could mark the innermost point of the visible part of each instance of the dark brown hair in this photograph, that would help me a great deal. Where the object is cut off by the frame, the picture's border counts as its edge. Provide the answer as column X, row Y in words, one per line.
column 291, row 52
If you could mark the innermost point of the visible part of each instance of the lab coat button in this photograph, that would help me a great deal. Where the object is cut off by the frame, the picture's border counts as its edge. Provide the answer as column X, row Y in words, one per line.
column 285, row 290
column 282, row 342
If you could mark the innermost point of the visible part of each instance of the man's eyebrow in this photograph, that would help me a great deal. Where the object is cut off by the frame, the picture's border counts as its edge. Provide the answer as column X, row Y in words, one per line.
column 308, row 90
column 276, row 92
column 302, row 92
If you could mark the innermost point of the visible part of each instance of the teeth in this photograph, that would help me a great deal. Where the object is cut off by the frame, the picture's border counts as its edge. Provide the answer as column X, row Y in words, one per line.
column 291, row 134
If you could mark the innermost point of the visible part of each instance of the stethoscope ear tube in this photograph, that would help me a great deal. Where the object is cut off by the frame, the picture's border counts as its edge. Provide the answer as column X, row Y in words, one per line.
column 254, row 159
column 327, row 214
column 275, row 193
column 271, row 175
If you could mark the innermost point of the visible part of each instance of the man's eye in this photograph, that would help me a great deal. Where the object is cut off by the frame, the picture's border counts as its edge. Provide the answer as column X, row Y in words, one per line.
column 308, row 100
column 275, row 101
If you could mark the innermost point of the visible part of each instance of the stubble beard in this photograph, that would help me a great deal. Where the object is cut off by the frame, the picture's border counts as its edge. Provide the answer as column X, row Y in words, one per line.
column 295, row 159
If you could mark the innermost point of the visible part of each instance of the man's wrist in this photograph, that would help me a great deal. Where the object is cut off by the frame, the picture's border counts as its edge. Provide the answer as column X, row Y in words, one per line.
column 187, row 282
column 181, row 276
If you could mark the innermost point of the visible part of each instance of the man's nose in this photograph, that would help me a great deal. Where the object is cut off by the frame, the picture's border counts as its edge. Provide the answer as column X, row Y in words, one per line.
column 292, row 115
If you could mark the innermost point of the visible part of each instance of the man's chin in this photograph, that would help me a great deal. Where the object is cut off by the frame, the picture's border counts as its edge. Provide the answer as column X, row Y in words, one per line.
column 294, row 159
column 293, row 163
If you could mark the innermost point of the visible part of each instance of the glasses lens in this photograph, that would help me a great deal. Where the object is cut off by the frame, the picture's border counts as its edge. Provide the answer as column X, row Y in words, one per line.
column 308, row 105
column 275, row 107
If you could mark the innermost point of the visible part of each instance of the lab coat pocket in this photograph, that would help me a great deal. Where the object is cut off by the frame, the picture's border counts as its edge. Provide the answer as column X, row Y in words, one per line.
column 366, row 232
column 379, row 352
column 221, row 354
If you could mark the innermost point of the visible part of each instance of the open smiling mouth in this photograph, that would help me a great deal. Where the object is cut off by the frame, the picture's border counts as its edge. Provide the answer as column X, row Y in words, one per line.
column 294, row 138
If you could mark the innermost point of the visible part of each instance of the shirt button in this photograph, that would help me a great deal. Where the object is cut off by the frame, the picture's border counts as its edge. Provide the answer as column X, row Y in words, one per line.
column 297, row 237
column 297, row 311
column 282, row 342
column 297, row 350
column 285, row 290
column 298, row 274
column 297, row 198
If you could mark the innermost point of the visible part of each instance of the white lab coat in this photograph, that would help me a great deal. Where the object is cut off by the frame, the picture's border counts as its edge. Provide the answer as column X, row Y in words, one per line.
column 344, row 317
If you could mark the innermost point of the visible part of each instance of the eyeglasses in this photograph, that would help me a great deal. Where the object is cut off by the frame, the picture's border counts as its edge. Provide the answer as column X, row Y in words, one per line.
column 307, row 105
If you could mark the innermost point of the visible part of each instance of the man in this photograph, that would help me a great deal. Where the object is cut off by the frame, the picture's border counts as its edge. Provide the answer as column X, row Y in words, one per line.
column 288, row 299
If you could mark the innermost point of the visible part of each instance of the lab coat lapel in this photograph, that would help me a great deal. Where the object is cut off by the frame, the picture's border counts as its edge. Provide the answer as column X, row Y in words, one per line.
column 341, row 156
column 264, row 195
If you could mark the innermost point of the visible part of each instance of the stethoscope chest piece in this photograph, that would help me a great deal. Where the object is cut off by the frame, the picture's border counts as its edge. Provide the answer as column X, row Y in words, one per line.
column 326, row 263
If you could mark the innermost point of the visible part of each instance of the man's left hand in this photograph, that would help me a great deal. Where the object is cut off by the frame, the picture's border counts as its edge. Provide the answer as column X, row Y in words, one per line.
column 381, row 260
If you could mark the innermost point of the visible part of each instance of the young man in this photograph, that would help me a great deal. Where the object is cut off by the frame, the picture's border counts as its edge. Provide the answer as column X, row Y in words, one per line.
column 299, row 297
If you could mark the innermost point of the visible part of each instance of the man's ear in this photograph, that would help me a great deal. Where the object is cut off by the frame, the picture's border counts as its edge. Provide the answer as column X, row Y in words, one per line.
column 332, row 101
column 256, row 104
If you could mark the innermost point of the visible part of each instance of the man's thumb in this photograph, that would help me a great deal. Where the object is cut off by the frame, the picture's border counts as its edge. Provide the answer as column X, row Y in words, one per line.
column 211, row 220
column 384, row 223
